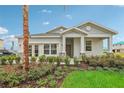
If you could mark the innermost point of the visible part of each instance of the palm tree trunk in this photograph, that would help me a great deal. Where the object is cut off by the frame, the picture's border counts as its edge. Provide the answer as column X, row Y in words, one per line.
column 25, row 38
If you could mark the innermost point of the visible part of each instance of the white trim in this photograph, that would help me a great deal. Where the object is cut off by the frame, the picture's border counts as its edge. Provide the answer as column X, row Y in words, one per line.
column 55, row 29
column 108, row 29
column 82, row 31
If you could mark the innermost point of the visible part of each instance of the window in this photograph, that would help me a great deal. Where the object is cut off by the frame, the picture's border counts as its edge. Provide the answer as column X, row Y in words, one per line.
column 36, row 50
column 88, row 46
column 46, row 48
column 50, row 49
column 53, row 48
column 30, row 50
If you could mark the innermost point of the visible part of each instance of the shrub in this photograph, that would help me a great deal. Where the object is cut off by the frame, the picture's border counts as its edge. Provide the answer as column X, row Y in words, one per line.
column 50, row 77
column 50, row 59
column 60, row 69
column 10, row 59
column 90, row 68
column 34, row 74
column 76, row 61
column 42, row 58
column 57, row 73
column 11, row 79
column 67, row 60
column 114, row 69
column 17, row 59
column 84, row 58
column 93, row 62
column 42, row 82
column 106, row 68
column 3, row 60
column 58, row 60
column 33, row 59
column 52, row 83
column 99, row 68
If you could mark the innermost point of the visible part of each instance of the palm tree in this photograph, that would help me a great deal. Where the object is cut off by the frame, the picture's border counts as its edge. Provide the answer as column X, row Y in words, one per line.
column 25, row 38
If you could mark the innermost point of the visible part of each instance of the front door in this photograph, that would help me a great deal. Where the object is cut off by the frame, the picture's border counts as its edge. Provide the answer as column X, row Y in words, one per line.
column 69, row 50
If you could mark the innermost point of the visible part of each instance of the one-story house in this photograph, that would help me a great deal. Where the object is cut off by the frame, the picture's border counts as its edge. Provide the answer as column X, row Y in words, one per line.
column 86, row 38
column 118, row 47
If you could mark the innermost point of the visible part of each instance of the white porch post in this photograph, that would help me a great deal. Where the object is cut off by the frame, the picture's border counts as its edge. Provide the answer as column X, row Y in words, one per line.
column 63, row 45
column 82, row 47
column 33, row 50
column 110, row 44
column 40, row 49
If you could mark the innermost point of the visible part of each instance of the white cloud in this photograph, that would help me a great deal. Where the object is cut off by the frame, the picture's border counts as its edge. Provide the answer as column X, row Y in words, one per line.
column 3, row 30
column 45, row 11
column 68, row 16
column 46, row 23
column 8, row 39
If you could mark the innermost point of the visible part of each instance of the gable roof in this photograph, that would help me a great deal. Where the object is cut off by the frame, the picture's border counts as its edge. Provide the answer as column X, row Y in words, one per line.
column 59, row 27
column 82, row 31
column 99, row 25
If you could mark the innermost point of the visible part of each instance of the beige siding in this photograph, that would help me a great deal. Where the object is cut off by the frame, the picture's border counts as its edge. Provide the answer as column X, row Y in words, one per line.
column 97, row 46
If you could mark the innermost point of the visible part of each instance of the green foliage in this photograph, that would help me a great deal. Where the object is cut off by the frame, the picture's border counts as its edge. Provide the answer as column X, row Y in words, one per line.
column 42, row 82
column 58, row 60
column 51, row 59
column 84, row 58
column 3, row 60
column 50, row 77
column 33, row 59
column 106, row 68
column 106, row 60
column 10, row 59
column 42, row 58
column 17, row 59
column 34, row 74
column 67, row 60
column 60, row 68
column 76, row 61
column 94, row 79
column 90, row 68
column 99, row 68
column 52, row 84
column 11, row 79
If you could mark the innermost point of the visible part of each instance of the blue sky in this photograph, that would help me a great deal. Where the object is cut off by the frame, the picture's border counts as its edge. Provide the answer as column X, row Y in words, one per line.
column 43, row 18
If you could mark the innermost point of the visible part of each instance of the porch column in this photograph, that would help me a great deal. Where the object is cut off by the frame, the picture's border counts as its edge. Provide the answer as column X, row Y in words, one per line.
column 82, row 46
column 63, row 45
column 33, row 50
column 40, row 49
column 110, row 44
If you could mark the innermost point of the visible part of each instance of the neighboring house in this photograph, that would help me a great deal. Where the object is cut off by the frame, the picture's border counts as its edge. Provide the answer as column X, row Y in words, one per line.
column 118, row 47
column 1, row 44
column 84, row 38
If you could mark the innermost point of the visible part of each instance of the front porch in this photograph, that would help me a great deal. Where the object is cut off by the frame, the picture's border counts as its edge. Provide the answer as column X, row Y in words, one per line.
column 76, row 46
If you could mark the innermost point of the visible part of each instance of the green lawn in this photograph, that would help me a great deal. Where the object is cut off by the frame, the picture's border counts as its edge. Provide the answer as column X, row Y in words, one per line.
column 94, row 79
